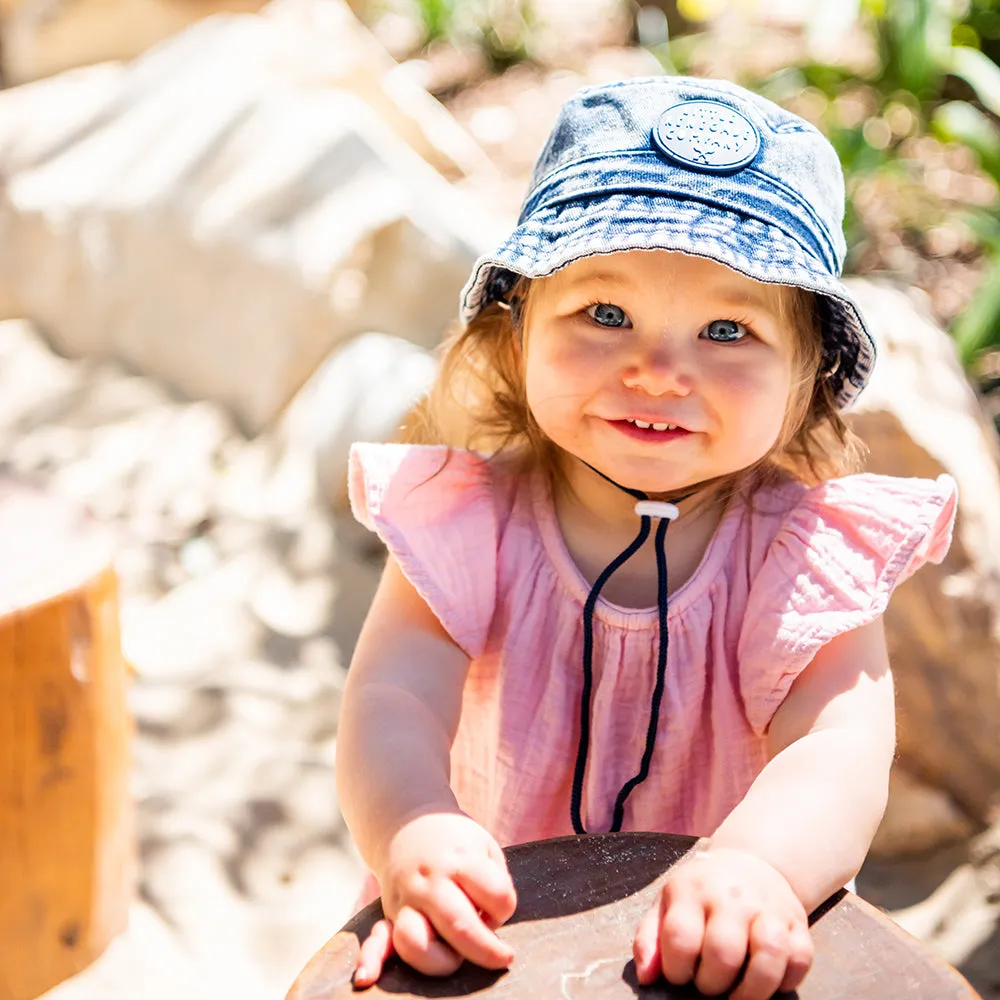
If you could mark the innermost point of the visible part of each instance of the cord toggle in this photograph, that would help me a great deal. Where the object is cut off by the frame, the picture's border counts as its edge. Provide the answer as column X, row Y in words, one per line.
column 657, row 508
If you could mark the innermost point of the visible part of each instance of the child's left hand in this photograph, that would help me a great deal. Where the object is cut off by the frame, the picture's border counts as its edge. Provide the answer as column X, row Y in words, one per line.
column 718, row 910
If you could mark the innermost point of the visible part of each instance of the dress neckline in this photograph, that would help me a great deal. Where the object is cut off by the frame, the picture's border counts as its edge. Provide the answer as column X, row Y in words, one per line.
column 576, row 583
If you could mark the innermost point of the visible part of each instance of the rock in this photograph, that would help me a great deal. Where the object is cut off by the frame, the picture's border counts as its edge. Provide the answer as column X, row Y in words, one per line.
column 918, row 818
column 239, row 673
column 199, row 624
column 956, row 919
column 341, row 52
column 292, row 606
column 361, row 393
column 40, row 37
column 34, row 380
column 984, row 853
column 920, row 417
column 147, row 953
column 231, row 196
column 331, row 47
column 960, row 919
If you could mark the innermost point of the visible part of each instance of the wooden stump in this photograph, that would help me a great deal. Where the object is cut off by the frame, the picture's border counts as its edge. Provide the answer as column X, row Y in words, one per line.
column 66, row 827
column 579, row 901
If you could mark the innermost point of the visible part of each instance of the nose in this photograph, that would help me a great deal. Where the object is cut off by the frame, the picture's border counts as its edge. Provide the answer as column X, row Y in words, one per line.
column 660, row 370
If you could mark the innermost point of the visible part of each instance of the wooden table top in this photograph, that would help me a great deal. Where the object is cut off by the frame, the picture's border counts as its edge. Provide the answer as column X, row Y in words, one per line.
column 580, row 902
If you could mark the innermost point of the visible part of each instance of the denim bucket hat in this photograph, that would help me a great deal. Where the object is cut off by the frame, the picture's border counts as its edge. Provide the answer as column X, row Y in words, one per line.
column 699, row 166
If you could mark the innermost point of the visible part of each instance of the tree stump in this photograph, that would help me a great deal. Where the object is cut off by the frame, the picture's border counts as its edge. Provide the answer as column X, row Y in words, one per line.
column 66, row 827
column 579, row 901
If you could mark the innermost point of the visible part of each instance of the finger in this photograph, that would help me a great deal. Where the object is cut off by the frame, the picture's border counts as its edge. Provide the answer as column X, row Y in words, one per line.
column 800, row 956
column 375, row 950
column 682, row 937
column 457, row 921
column 416, row 944
column 490, row 888
column 496, row 853
column 723, row 951
column 769, row 946
column 646, row 945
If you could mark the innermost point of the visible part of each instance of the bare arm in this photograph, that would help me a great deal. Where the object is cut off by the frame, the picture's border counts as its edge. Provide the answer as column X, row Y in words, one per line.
column 445, row 884
column 813, row 810
column 737, row 910
column 401, row 709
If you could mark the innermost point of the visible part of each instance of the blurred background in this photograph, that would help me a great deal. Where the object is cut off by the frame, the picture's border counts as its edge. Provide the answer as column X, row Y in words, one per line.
column 231, row 235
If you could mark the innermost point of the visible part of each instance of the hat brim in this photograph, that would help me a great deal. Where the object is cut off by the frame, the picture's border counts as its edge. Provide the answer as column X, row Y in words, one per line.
column 555, row 236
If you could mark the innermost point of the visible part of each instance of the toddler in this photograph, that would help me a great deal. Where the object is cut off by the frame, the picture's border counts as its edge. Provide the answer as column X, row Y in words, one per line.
column 663, row 342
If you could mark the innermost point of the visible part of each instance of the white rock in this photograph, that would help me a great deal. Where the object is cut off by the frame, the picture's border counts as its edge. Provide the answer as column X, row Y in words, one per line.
column 33, row 380
column 325, row 45
column 148, row 953
column 221, row 216
column 235, row 725
column 958, row 920
column 42, row 37
column 198, row 624
column 346, row 54
column 362, row 392
column 292, row 606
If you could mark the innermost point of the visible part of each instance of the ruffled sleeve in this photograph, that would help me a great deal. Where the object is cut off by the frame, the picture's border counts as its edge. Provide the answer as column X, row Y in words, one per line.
column 433, row 507
column 832, row 567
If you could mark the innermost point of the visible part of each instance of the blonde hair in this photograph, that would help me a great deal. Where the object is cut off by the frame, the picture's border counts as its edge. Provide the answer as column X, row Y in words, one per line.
column 478, row 401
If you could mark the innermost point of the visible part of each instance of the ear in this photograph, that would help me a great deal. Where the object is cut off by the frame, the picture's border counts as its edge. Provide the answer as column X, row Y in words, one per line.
column 517, row 319
column 515, row 307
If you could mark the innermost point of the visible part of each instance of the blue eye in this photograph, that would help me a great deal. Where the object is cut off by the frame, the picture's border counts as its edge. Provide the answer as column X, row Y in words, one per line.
column 725, row 331
column 606, row 314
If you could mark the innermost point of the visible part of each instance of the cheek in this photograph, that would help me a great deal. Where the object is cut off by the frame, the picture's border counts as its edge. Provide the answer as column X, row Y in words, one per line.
column 756, row 398
column 560, row 373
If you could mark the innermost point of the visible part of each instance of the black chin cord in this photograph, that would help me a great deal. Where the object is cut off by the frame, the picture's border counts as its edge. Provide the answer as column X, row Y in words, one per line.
column 646, row 509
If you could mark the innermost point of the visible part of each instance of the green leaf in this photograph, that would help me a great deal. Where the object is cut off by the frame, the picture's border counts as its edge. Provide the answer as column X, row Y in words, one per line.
column 980, row 72
column 978, row 326
column 985, row 227
column 437, row 17
column 918, row 40
column 959, row 121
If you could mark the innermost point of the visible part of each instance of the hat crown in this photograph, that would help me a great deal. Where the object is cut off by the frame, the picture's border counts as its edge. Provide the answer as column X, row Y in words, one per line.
column 616, row 123
column 694, row 166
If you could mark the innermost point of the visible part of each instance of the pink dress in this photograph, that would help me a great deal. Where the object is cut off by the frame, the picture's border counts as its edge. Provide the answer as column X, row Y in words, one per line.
column 777, row 581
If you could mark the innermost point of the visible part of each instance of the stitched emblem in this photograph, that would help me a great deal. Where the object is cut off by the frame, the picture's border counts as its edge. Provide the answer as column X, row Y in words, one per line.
column 707, row 136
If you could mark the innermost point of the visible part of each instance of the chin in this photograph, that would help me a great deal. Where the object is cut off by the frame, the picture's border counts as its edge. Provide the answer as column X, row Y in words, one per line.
column 659, row 487
column 654, row 478
column 639, row 476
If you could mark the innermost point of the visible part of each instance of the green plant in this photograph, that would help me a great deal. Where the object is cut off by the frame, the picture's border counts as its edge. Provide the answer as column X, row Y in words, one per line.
column 932, row 74
column 505, row 31
column 501, row 29
column 437, row 17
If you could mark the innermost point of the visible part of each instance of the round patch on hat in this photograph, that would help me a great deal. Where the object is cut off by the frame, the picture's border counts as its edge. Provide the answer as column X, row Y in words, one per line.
column 707, row 136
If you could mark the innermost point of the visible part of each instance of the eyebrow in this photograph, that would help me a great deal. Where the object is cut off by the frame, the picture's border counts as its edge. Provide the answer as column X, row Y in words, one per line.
column 604, row 277
column 757, row 300
column 724, row 296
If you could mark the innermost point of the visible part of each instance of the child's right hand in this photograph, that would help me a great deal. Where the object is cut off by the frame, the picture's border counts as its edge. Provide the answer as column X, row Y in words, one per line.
column 445, row 887
column 720, row 911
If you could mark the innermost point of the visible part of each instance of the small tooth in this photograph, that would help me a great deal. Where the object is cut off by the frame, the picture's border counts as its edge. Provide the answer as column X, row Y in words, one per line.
column 642, row 424
column 661, row 427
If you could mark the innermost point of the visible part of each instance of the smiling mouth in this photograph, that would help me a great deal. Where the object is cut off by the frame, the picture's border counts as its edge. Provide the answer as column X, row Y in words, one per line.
column 643, row 425
column 647, row 430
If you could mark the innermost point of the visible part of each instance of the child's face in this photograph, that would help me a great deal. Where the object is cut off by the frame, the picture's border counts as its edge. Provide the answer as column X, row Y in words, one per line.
column 659, row 338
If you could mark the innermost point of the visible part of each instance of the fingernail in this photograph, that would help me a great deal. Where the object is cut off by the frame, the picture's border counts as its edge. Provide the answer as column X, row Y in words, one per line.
column 360, row 972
